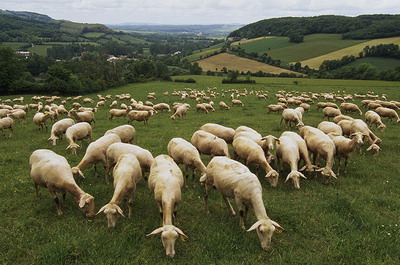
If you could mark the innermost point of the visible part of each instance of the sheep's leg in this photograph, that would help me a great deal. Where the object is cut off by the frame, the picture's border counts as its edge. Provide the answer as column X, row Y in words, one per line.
column 345, row 165
column 130, row 203
column 175, row 213
column 95, row 170
column 241, row 212
column 230, row 208
column 63, row 195
column 207, row 188
column 338, row 171
column 57, row 201
column 186, row 172
column 36, row 189
column 161, row 211
column 11, row 132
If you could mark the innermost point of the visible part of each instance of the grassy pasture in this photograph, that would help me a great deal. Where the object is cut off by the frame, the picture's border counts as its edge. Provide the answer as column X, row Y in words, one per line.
column 198, row 54
column 93, row 34
column 241, row 42
column 352, row 50
column 40, row 49
column 266, row 44
column 380, row 63
column 233, row 62
column 15, row 45
column 352, row 220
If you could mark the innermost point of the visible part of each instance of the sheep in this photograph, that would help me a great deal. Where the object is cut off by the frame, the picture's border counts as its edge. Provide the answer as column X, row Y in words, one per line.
column 165, row 181
column 223, row 105
column 59, row 128
column 322, row 105
column 252, row 153
column 289, row 116
column 181, row 111
column 4, row 113
column 305, row 106
column 374, row 148
column 237, row 102
column 127, row 173
column 275, row 108
column 373, row 105
column 321, row 145
column 101, row 103
column 341, row 117
column 358, row 125
column 346, row 146
column 345, row 107
column 140, row 115
column 83, row 116
column 288, row 152
column 386, row 112
column 209, row 144
column 78, row 131
column 40, row 119
column 331, row 112
column 125, row 132
column 96, row 152
column 233, row 179
column 373, row 117
column 162, row 106
column 117, row 113
column 223, row 132
column 7, row 123
column 113, row 104
column 115, row 150
column 18, row 114
column 300, row 112
column 266, row 142
column 201, row 107
column 327, row 127
column 53, row 172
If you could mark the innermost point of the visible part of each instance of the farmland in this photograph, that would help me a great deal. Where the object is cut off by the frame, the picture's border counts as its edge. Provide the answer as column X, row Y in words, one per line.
column 233, row 62
column 352, row 220
column 266, row 44
column 197, row 55
column 381, row 64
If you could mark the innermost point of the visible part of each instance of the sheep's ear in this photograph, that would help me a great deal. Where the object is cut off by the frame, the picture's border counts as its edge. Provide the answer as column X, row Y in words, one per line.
column 180, row 232
column 303, row 168
column 277, row 140
column 333, row 174
column 302, row 175
column 277, row 226
column 101, row 209
column 82, row 202
column 351, row 136
column 119, row 210
column 155, row 232
column 319, row 169
column 254, row 226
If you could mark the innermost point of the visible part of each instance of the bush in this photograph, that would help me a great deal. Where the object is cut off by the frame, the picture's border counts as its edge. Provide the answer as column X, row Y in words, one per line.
column 189, row 80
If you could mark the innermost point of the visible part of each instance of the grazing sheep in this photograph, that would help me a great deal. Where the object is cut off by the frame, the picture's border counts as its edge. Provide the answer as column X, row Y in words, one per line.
column 300, row 112
column 117, row 113
column 331, row 112
column 275, row 108
column 115, row 150
column 371, row 117
column 113, row 104
column 59, row 128
column 53, row 172
column 18, row 114
column 125, row 132
column 223, row 105
column 386, row 112
column 185, row 153
column 201, row 107
column 237, row 102
column 328, row 127
column 127, row 173
column 4, row 113
column 341, row 117
column 252, row 153
column 40, row 119
column 78, row 131
column 322, row 146
column 233, row 179
column 266, row 142
column 162, row 106
column 373, row 105
column 83, row 116
column 322, row 105
column 346, row 146
column 289, row 116
column 346, row 107
column 181, row 111
column 209, row 144
column 96, row 152
column 305, row 106
column 287, row 152
column 140, row 115
column 358, row 125
column 165, row 181
column 7, row 123
column 223, row 132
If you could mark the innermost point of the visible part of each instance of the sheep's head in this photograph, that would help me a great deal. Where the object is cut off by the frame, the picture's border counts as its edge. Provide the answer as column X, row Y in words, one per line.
column 359, row 137
column 374, row 148
column 86, row 204
column 169, row 234
column 269, row 141
column 295, row 176
column 53, row 139
column 265, row 229
column 382, row 127
column 112, row 212
column 327, row 173
column 272, row 177
column 76, row 171
column 73, row 148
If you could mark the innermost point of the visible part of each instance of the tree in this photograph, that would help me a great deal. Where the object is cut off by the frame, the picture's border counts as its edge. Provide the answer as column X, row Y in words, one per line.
column 10, row 68
column 195, row 69
column 233, row 75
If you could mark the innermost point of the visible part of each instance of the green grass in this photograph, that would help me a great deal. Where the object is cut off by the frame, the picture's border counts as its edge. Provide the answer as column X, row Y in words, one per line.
column 352, row 220
column 199, row 54
column 14, row 45
column 314, row 45
column 93, row 34
column 380, row 63
column 130, row 39
column 40, row 49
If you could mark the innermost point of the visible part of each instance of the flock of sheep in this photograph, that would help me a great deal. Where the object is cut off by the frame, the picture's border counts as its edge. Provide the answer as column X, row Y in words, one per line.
column 130, row 163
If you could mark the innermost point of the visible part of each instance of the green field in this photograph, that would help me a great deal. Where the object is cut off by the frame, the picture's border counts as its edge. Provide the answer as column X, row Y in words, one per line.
column 93, row 34
column 131, row 39
column 40, row 49
column 197, row 55
column 382, row 64
column 266, row 45
column 352, row 220
column 14, row 45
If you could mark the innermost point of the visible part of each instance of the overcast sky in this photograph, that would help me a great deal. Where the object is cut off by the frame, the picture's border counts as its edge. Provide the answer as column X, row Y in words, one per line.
column 195, row 11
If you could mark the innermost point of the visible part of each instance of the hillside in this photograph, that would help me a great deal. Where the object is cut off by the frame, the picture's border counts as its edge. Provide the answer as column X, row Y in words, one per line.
column 360, row 27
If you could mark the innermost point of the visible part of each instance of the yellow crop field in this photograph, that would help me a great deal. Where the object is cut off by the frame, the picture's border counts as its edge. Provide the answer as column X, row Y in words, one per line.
column 233, row 62
column 250, row 40
column 352, row 50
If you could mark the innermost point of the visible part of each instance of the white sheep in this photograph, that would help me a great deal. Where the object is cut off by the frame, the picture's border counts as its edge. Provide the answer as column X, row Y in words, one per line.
column 233, row 179
column 165, row 181
column 209, row 144
column 237, row 102
column 328, row 127
column 125, row 132
column 330, row 112
column 358, row 125
column 287, row 152
column 96, row 152
column 275, row 108
column 140, row 115
column 289, row 116
column 117, row 113
column 345, row 107
column 40, row 119
column 115, row 150
column 221, row 131
column 78, row 131
column 341, row 117
column 185, row 153
column 223, row 105
column 162, row 106
column 127, row 173
column 83, row 116
column 59, row 128
column 201, row 107
column 53, row 172
column 253, row 154
column 18, row 114
column 7, row 123
column 386, row 112
column 181, row 111
column 322, row 146
column 371, row 117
